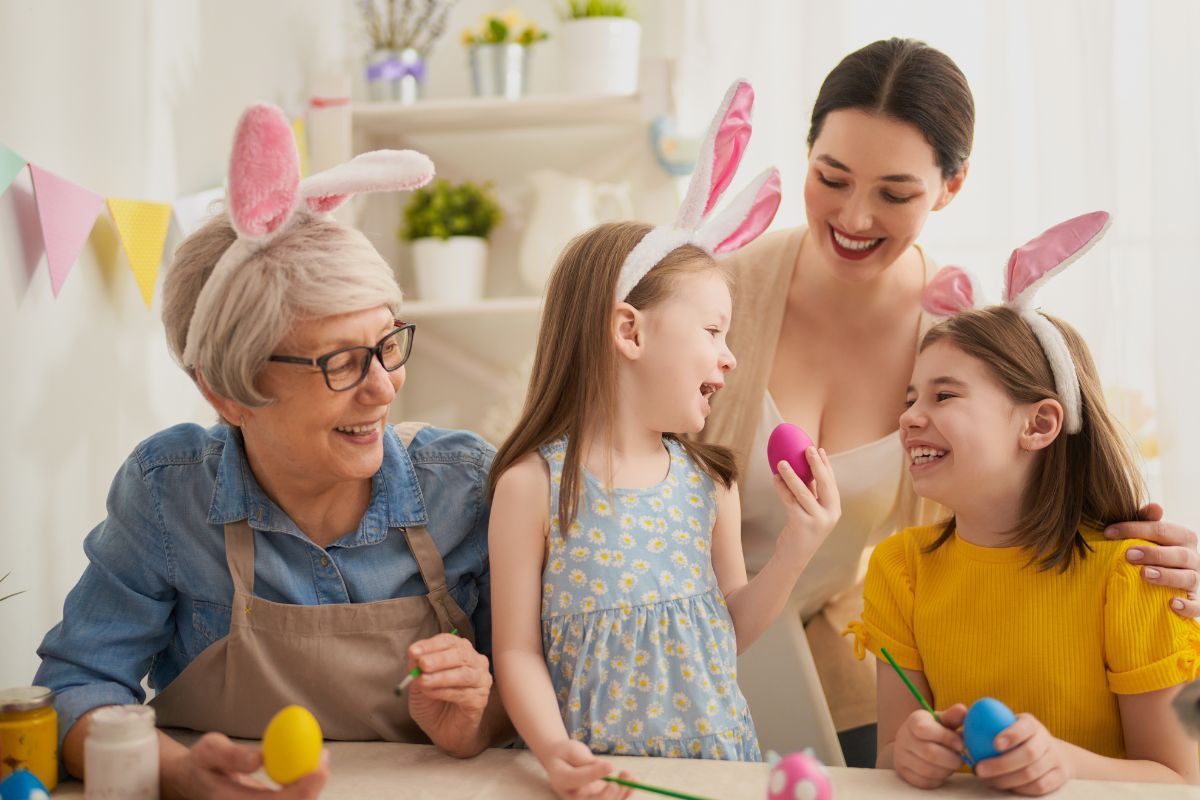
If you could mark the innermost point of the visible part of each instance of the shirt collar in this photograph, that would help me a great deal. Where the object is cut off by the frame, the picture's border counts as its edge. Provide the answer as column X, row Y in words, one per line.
column 396, row 499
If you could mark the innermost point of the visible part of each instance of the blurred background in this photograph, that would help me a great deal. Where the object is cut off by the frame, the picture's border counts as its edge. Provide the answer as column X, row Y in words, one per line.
column 1081, row 104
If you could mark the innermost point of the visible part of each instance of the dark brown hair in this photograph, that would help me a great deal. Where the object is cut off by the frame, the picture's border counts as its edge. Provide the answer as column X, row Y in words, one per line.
column 572, row 386
column 909, row 81
column 1088, row 476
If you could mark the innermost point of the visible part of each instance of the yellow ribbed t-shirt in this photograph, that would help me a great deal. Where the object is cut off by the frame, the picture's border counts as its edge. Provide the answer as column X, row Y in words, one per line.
column 982, row 622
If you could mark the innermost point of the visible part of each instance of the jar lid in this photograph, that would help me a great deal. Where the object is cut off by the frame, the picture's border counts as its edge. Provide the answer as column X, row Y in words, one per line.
column 25, row 698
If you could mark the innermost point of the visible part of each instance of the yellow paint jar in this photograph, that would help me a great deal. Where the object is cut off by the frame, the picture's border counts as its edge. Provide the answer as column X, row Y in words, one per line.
column 29, row 733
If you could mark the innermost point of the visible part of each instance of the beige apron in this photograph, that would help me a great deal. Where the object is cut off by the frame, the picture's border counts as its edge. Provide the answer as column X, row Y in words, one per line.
column 340, row 661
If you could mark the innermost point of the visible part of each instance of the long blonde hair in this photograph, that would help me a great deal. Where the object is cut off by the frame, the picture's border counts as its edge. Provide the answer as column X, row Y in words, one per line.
column 1088, row 476
column 572, row 388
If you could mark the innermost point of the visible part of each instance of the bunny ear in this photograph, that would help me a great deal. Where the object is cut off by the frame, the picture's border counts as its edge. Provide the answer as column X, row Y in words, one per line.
column 746, row 216
column 719, row 156
column 377, row 171
column 1035, row 261
column 264, row 170
column 951, row 291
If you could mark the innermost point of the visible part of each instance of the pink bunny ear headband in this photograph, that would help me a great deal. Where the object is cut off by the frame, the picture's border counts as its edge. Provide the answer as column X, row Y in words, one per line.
column 266, row 197
column 953, row 291
column 746, row 216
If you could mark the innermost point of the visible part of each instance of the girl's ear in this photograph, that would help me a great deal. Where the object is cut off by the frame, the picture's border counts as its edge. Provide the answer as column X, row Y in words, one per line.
column 1043, row 424
column 627, row 323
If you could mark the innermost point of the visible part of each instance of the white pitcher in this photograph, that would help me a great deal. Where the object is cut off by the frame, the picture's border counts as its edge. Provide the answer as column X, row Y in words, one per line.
column 564, row 206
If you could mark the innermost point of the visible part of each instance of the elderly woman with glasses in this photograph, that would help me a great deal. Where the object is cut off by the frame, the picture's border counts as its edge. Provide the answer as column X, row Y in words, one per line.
column 303, row 550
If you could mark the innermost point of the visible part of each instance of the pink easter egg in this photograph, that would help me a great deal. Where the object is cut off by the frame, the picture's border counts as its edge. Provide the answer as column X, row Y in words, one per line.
column 788, row 443
column 799, row 776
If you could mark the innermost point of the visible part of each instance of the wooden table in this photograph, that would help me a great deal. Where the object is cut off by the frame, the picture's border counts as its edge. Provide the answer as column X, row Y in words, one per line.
column 367, row 770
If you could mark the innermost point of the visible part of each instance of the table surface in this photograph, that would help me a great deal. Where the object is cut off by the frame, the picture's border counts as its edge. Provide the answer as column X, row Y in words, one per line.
column 366, row 770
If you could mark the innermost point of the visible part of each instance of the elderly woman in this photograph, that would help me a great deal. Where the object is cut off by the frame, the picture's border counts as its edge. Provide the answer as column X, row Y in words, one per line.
column 302, row 550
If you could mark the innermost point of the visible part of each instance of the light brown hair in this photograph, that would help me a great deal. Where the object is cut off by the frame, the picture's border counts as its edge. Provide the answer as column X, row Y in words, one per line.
column 572, row 390
column 1087, row 477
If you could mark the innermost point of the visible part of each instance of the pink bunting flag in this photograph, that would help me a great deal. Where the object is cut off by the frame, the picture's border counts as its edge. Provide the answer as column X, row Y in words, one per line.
column 67, row 213
column 11, row 165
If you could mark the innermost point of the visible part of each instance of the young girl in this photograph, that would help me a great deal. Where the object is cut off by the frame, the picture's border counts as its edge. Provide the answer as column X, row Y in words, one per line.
column 1020, row 596
column 620, row 599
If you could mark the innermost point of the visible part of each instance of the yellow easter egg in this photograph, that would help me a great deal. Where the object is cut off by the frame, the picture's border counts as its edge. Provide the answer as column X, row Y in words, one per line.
column 291, row 747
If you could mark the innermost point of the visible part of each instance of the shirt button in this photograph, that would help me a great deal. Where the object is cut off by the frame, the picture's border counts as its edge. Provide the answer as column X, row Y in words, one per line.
column 324, row 561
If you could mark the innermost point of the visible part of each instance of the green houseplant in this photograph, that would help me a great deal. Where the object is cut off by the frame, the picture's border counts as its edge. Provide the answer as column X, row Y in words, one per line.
column 601, row 47
column 448, row 225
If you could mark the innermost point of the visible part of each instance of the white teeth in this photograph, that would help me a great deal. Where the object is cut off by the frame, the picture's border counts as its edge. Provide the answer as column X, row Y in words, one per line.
column 855, row 244
column 923, row 455
column 707, row 388
column 358, row 428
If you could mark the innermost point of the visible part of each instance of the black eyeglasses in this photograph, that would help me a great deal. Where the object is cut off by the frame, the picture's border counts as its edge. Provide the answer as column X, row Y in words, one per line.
column 346, row 368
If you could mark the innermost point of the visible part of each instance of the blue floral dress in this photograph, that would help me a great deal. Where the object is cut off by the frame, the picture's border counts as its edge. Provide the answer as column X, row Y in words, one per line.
column 638, row 640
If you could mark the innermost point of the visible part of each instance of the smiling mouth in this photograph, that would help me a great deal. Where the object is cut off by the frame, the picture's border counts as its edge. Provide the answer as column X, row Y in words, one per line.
column 358, row 430
column 853, row 247
column 708, row 389
column 925, row 455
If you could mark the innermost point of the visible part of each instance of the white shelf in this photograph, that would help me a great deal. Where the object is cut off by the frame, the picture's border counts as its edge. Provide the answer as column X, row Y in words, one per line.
column 491, row 114
column 420, row 309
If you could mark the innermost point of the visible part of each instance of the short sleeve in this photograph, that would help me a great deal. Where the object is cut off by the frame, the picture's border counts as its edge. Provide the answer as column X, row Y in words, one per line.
column 888, row 606
column 1147, row 646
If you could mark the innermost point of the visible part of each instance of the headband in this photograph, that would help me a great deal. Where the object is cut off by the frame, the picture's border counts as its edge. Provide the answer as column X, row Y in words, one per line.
column 266, row 198
column 952, row 291
column 740, row 223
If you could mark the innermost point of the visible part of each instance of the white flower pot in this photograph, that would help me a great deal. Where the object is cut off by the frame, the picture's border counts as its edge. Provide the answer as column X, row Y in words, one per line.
column 450, row 270
column 600, row 55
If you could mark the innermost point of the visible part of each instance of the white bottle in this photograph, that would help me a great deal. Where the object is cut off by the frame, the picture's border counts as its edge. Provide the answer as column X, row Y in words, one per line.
column 120, row 756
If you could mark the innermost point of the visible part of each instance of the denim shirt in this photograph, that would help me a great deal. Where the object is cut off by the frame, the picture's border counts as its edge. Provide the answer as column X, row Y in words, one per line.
column 157, row 590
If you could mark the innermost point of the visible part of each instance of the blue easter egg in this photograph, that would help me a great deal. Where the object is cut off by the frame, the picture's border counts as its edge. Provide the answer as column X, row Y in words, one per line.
column 23, row 785
column 985, row 719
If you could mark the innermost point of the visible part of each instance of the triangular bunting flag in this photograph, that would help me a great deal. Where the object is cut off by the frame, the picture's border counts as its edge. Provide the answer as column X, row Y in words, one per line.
column 300, row 134
column 67, row 213
column 194, row 210
column 11, row 165
column 142, row 227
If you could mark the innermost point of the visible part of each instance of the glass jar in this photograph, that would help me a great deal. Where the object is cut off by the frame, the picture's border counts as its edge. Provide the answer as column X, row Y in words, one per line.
column 29, row 733
column 120, row 756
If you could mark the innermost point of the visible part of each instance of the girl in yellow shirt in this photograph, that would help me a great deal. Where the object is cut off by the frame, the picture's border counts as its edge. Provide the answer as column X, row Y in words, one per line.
column 1019, row 595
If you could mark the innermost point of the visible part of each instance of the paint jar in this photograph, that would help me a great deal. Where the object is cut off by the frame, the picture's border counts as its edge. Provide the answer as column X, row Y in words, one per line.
column 29, row 733
column 120, row 756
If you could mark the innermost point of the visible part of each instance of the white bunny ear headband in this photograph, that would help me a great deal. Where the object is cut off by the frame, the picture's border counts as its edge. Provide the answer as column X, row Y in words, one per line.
column 746, row 216
column 265, row 196
column 952, row 290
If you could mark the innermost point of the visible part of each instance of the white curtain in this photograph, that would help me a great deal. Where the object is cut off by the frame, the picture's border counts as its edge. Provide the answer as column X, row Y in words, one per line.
column 1080, row 105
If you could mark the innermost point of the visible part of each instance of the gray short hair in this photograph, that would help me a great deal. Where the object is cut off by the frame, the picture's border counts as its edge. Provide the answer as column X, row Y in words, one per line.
column 317, row 269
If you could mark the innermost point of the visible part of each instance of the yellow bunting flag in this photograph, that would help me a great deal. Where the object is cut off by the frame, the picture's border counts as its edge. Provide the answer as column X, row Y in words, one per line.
column 300, row 133
column 142, row 227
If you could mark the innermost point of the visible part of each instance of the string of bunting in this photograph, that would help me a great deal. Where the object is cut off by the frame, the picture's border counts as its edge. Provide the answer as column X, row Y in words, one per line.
column 67, row 212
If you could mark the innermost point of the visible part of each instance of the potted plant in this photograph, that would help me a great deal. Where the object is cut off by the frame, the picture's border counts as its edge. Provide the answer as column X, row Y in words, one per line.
column 448, row 225
column 600, row 46
column 499, row 51
column 402, row 34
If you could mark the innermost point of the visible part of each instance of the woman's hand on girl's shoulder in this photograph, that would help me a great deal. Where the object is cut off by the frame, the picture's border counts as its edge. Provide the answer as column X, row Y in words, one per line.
column 1031, row 762
column 1175, row 563
column 812, row 510
column 575, row 772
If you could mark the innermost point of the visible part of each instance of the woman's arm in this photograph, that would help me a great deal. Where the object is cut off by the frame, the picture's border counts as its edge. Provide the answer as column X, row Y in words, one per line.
column 1157, row 750
column 517, row 547
column 1174, row 563
column 754, row 605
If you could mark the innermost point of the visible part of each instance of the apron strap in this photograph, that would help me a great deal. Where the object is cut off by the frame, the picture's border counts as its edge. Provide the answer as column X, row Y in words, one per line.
column 239, row 555
column 407, row 430
column 433, row 572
